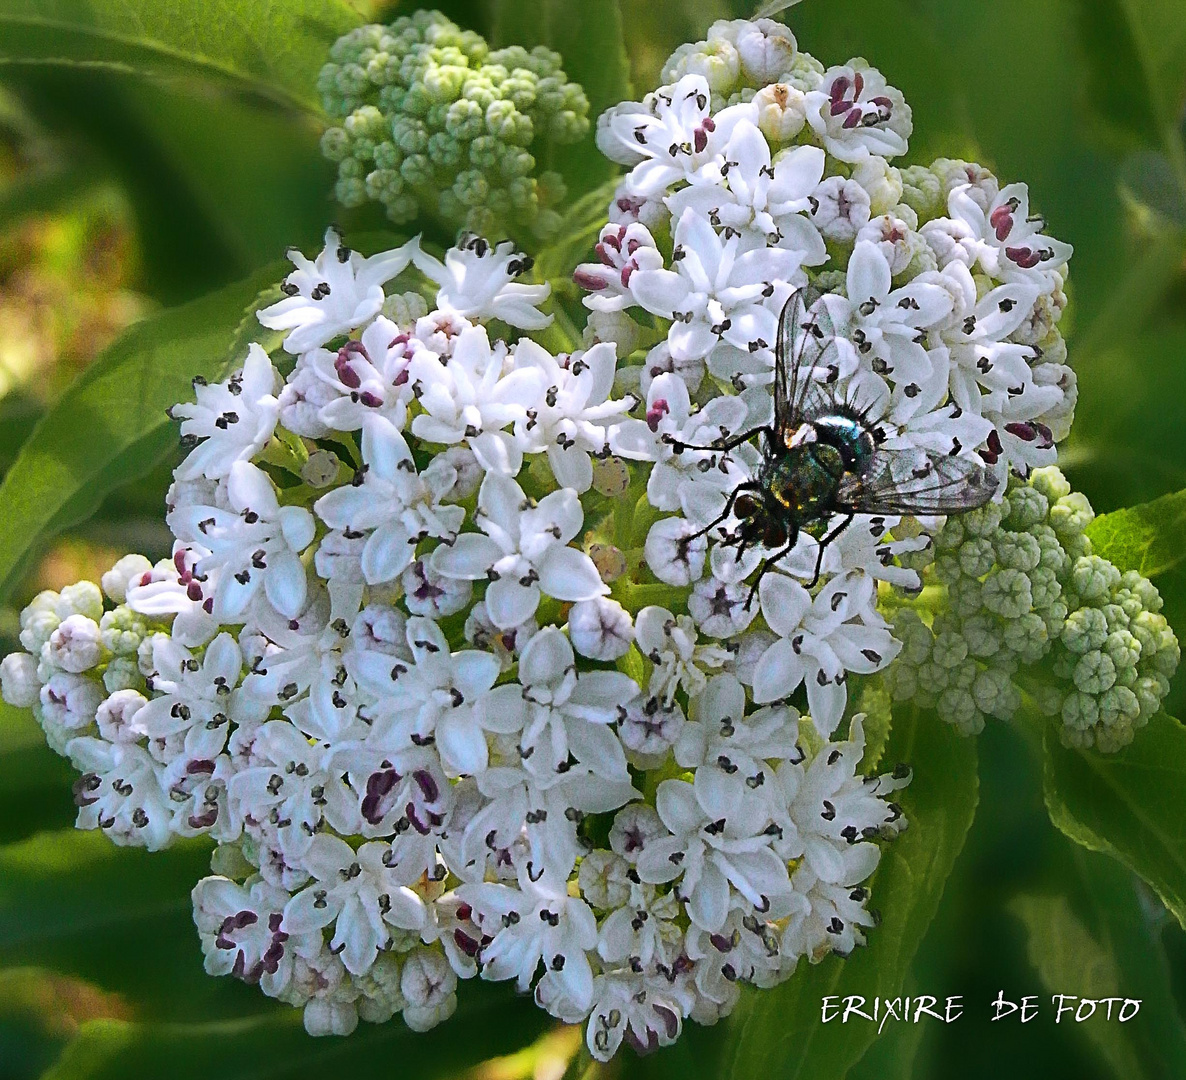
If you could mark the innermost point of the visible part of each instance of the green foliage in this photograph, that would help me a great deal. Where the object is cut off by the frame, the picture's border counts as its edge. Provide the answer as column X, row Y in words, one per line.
column 274, row 1045
column 1149, row 538
column 590, row 36
column 111, row 427
column 1128, row 805
column 1107, row 946
column 273, row 49
column 776, row 1034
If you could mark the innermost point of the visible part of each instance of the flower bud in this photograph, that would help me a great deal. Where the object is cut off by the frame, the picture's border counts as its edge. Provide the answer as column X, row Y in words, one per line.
column 18, row 680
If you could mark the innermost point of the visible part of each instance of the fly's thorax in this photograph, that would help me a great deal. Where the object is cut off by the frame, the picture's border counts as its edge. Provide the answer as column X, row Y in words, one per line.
column 850, row 436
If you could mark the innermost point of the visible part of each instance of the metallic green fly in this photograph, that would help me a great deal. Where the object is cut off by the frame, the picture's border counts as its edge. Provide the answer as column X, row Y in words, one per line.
column 821, row 455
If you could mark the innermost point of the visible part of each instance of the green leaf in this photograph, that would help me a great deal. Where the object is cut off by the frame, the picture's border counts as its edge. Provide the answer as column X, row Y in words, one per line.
column 274, row 1045
column 1150, row 538
column 590, row 37
column 1158, row 30
column 1128, row 805
column 1107, row 946
column 110, row 426
column 777, row 1034
column 273, row 49
column 34, row 781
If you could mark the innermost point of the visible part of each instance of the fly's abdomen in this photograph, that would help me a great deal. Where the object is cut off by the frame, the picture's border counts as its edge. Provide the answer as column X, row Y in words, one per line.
column 805, row 482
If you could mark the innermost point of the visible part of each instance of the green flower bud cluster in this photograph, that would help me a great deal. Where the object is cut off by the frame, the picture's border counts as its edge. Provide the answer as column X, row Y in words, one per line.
column 432, row 120
column 1023, row 588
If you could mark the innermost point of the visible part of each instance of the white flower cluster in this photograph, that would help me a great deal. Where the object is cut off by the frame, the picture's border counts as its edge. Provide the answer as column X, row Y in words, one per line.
column 447, row 659
column 380, row 672
column 755, row 171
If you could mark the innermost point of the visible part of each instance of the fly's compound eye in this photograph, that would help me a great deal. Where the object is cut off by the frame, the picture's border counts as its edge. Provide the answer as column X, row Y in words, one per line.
column 745, row 506
column 775, row 535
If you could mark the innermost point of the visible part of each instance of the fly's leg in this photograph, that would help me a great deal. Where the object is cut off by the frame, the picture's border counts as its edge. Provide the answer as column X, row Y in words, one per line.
column 819, row 559
column 746, row 485
column 678, row 447
column 777, row 557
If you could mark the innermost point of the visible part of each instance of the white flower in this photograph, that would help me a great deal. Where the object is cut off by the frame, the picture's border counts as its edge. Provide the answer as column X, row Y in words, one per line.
column 720, row 736
column 674, row 550
column 727, row 289
column 241, row 935
column 648, row 729
column 840, row 209
column 758, row 196
column 668, row 136
column 621, row 250
column 600, row 628
column 254, row 541
column 443, row 694
column 857, row 114
column 642, row 930
column 645, row 1011
column 427, row 592
column 884, row 323
column 120, row 792
column 1006, row 241
column 114, row 716
column 716, row 841
column 668, row 432
column 117, row 580
column 477, row 282
column 534, row 924
column 572, row 418
column 670, row 643
column 68, row 704
column 819, row 641
column 472, row 397
column 429, row 986
column 565, row 712
column 338, row 391
column 291, row 787
column 231, row 421
column 357, row 892
column 522, row 550
column 782, row 111
column 720, row 609
column 339, row 291
column 392, row 503
column 18, row 678
column 75, row 645
column 766, row 47
column 192, row 699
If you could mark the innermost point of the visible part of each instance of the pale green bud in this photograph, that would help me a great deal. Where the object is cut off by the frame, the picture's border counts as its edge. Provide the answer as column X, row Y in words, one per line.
column 1007, row 593
column 1095, row 672
column 976, row 557
column 1093, row 578
column 1085, row 629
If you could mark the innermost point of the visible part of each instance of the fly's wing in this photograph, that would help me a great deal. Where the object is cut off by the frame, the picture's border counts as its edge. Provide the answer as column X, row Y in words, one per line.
column 916, row 482
column 807, row 360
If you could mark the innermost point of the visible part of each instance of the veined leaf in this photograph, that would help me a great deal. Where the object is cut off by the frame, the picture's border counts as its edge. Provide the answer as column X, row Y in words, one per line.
column 1150, row 538
column 589, row 36
column 1159, row 35
column 777, row 1034
column 110, row 426
column 1107, row 946
column 273, row 49
column 1128, row 805
column 274, row 1045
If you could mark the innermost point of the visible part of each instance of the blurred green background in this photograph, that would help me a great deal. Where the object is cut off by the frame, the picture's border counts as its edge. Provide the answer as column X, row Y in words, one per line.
column 123, row 193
